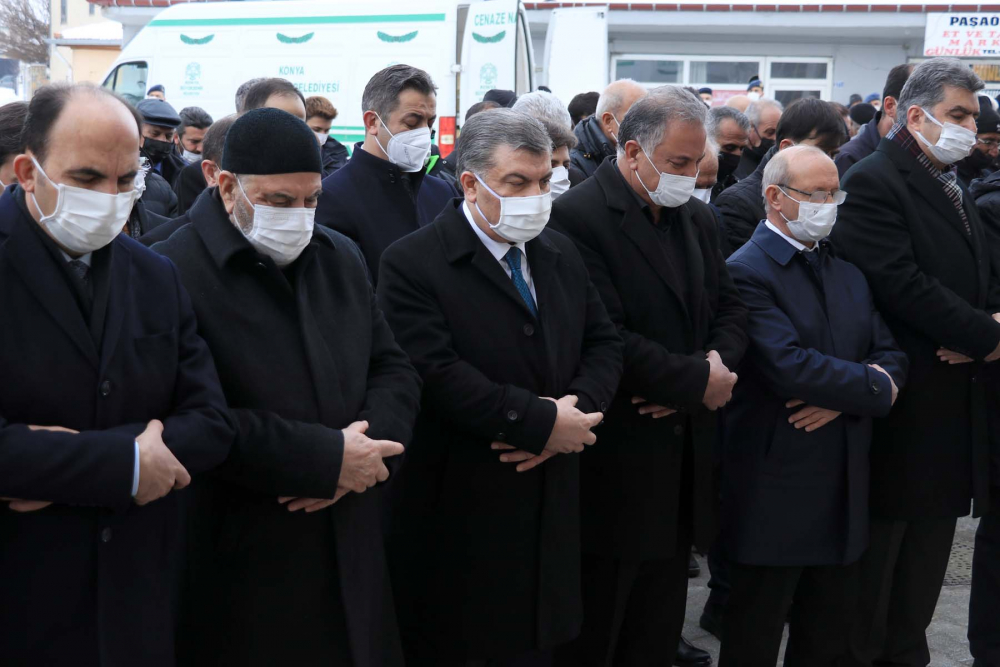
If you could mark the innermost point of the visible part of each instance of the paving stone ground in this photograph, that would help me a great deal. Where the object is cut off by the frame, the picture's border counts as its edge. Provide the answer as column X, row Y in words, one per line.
column 946, row 636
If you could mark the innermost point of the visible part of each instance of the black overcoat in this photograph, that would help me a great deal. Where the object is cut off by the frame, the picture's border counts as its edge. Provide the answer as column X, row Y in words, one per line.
column 90, row 579
column 486, row 560
column 932, row 282
column 301, row 353
column 631, row 488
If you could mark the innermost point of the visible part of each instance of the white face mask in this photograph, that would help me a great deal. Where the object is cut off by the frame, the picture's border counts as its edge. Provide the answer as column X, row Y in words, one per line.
column 702, row 194
column 754, row 96
column 190, row 156
column 560, row 181
column 83, row 220
column 321, row 137
column 619, row 126
column 814, row 222
column 521, row 218
column 407, row 150
column 671, row 190
column 954, row 144
column 280, row 233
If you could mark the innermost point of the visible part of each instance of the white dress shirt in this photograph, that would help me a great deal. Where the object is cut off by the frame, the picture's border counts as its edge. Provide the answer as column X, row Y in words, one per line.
column 794, row 242
column 499, row 250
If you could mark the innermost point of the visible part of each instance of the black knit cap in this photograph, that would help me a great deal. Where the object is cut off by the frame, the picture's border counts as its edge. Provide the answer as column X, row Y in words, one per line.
column 270, row 141
column 989, row 119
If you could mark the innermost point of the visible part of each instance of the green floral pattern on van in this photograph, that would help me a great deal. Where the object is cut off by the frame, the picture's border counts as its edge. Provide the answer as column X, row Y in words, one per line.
column 483, row 39
column 393, row 39
column 197, row 40
column 285, row 39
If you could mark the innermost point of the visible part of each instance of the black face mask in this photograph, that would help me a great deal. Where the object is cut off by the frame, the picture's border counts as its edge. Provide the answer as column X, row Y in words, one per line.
column 978, row 160
column 728, row 162
column 156, row 150
column 760, row 151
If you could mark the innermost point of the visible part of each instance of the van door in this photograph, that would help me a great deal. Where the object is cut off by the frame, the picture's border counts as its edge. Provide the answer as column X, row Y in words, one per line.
column 493, row 32
column 576, row 51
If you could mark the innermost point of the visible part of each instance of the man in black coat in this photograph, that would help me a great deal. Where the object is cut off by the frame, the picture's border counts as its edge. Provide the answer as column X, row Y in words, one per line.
column 287, row 562
column 916, row 235
column 648, row 492
column 109, row 400
column 764, row 115
column 518, row 359
column 867, row 140
column 159, row 128
column 821, row 365
column 806, row 122
column 384, row 192
column 979, row 163
column 597, row 136
column 158, row 198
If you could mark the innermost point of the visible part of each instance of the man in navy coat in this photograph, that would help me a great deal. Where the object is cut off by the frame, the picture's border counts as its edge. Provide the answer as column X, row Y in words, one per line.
column 820, row 366
column 384, row 193
column 109, row 399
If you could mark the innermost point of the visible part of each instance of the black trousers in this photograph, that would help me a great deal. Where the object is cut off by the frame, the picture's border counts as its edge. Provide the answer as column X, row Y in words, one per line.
column 719, row 583
column 633, row 612
column 530, row 659
column 901, row 577
column 984, row 626
column 819, row 603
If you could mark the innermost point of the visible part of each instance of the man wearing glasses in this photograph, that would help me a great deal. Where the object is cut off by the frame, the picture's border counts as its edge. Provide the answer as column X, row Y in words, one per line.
column 820, row 366
column 982, row 160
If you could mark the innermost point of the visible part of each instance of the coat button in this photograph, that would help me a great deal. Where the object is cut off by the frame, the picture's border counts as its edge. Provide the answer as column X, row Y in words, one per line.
column 528, row 330
column 106, row 535
column 512, row 415
column 604, row 406
column 105, row 388
column 261, row 265
column 875, row 388
column 678, row 430
column 501, row 437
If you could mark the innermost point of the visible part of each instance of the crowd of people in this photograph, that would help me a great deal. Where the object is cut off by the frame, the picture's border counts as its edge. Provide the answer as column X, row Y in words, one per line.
column 269, row 399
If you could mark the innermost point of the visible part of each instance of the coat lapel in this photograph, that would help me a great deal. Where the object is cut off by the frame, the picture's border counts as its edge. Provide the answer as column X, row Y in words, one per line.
column 696, row 273
column 118, row 286
column 931, row 190
column 44, row 279
column 460, row 241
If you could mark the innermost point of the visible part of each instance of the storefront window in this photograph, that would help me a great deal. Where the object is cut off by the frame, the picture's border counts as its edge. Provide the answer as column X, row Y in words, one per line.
column 723, row 72
column 650, row 71
column 798, row 70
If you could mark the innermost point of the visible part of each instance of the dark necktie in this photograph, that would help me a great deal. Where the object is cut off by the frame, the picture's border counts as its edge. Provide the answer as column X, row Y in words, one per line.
column 82, row 274
column 513, row 258
column 814, row 263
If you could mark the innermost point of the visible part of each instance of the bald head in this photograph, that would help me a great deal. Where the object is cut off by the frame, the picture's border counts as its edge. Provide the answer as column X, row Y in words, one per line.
column 614, row 103
column 789, row 179
column 81, row 136
column 739, row 102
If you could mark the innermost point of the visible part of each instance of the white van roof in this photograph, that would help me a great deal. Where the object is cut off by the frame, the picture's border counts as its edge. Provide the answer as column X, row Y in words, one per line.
column 292, row 12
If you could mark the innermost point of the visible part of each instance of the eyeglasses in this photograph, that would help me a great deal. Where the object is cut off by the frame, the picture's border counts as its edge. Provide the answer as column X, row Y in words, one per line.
column 818, row 197
column 989, row 143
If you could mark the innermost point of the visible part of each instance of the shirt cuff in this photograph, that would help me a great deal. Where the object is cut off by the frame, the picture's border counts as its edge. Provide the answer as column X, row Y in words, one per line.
column 135, row 470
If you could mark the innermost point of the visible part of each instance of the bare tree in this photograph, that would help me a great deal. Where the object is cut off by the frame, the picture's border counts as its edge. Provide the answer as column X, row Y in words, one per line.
column 24, row 27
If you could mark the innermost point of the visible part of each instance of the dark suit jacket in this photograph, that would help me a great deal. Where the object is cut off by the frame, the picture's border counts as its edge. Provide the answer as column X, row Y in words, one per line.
column 90, row 579
column 202, row 207
column 932, row 283
column 190, row 183
column 792, row 498
column 486, row 559
column 631, row 487
column 368, row 201
column 302, row 353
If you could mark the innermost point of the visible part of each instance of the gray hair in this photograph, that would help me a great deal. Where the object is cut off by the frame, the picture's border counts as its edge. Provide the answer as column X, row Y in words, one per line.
column 244, row 89
column 560, row 135
column 383, row 90
column 925, row 87
column 487, row 131
column 756, row 109
column 718, row 114
column 544, row 107
column 778, row 171
column 647, row 120
column 611, row 98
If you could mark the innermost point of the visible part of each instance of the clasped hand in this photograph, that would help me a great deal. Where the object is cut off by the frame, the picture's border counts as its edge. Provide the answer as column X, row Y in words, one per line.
column 570, row 434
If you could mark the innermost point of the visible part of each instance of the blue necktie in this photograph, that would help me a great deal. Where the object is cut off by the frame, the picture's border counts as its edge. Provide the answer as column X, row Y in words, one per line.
column 513, row 258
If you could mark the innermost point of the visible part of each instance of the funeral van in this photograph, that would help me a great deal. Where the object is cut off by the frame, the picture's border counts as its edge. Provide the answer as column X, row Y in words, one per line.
column 202, row 51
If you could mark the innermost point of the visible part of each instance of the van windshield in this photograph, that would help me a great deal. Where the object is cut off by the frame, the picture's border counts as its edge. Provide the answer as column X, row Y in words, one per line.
column 129, row 81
